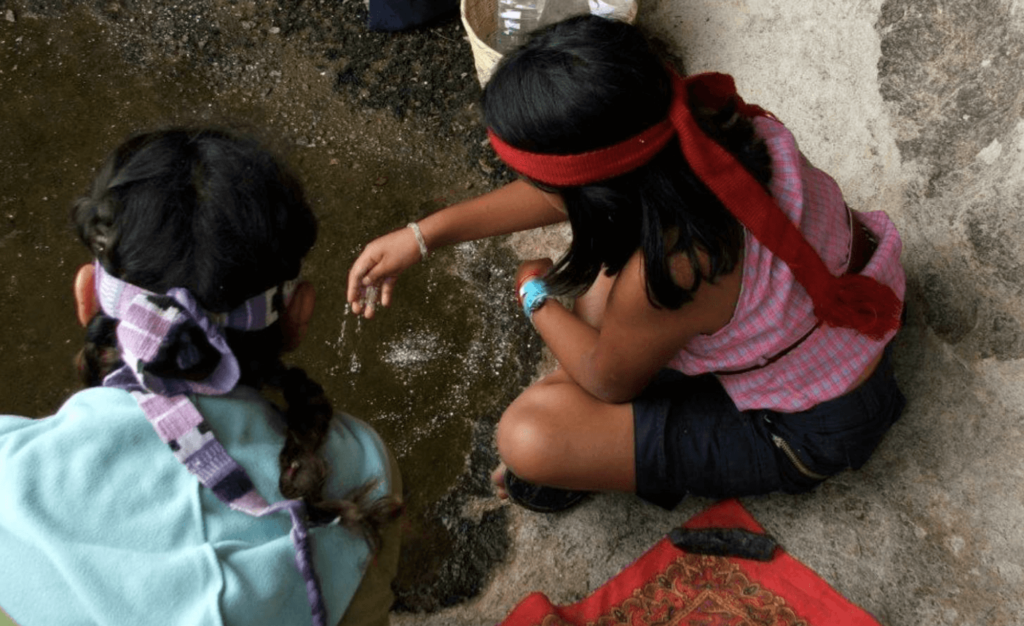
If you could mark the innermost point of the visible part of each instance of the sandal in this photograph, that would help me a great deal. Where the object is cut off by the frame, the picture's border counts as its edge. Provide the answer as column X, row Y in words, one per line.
column 539, row 498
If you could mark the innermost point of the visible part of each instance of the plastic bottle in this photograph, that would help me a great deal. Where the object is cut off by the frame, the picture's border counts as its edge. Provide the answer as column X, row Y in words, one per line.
column 515, row 19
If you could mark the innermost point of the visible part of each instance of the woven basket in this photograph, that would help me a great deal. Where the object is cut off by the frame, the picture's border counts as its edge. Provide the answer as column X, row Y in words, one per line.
column 479, row 18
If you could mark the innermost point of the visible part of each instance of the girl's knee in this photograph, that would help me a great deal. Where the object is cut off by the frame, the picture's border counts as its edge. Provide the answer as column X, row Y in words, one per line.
column 526, row 441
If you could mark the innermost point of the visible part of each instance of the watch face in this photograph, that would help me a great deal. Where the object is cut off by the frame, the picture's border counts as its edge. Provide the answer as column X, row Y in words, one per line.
column 534, row 294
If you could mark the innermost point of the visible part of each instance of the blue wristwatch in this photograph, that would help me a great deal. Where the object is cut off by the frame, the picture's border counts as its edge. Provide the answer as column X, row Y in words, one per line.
column 533, row 293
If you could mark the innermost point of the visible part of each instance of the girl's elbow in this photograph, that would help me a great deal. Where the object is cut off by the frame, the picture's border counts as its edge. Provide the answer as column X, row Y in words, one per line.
column 613, row 391
column 607, row 381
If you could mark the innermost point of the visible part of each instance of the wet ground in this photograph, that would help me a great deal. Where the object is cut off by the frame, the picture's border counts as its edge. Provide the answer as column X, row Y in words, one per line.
column 381, row 128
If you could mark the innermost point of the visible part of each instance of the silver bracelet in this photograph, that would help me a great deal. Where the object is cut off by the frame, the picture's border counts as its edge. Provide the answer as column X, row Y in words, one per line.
column 419, row 239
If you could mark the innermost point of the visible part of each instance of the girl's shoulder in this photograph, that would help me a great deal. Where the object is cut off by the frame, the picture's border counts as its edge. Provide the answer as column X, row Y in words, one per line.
column 770, row 128
column 95, row 409
column 89, row 495
column 368, row 456
column 252, row 429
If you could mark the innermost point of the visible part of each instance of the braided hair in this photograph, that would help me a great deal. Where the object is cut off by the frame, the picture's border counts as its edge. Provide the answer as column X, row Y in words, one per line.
column 217, row 214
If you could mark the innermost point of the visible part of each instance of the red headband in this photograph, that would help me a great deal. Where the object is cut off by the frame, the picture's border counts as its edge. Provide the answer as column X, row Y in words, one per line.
column 848, row 301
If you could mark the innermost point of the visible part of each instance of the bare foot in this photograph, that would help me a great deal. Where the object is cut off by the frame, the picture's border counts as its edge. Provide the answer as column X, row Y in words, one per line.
column 498, row 480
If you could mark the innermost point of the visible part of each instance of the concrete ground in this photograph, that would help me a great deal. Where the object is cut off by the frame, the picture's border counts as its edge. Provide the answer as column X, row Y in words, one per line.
column 915, row 106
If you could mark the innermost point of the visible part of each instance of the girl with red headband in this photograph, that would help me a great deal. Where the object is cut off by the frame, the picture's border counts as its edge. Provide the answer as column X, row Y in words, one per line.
column 732, row 330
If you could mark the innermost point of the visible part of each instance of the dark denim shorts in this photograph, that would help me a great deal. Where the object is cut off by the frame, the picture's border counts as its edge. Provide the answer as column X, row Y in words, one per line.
column 691, row 438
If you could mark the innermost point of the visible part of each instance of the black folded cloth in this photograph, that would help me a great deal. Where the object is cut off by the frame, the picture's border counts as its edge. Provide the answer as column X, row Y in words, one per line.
column 735, row 542
column 392, row 15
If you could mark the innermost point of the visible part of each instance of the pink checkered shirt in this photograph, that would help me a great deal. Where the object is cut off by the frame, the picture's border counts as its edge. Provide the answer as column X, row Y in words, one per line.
column 774, row 312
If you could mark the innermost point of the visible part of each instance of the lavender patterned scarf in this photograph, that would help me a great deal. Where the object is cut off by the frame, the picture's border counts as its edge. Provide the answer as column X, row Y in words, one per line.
column 163, row 334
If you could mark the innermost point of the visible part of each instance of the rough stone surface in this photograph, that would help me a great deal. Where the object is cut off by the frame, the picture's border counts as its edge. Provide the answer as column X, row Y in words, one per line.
column 952, row 70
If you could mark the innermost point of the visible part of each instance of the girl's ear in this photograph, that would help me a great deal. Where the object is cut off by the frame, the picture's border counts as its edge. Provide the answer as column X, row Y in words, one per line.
column 85, row 293
column 298, row 313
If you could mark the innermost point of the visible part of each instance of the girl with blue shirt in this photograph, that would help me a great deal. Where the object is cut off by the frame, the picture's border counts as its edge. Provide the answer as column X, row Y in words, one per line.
column 172, row 490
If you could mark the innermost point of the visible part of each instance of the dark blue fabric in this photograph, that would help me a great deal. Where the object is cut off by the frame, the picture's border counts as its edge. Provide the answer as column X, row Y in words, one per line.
column 691, row 438
column 233, row 486
column 391, row 15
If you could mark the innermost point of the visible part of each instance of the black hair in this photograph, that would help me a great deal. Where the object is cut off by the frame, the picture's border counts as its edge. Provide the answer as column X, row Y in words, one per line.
column 587, row 83
column 216, row 213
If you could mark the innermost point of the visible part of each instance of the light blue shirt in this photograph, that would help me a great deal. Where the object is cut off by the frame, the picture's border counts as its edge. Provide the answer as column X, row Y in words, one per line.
column 100, row 524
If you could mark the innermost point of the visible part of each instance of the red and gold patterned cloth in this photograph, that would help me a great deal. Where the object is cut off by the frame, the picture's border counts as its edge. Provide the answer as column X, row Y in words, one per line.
column 669, row 587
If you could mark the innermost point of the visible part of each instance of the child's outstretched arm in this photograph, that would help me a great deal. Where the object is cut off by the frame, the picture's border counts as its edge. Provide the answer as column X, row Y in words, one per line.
column 516, row 206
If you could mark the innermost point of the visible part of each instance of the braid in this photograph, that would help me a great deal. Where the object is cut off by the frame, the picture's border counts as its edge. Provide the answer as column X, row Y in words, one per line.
column 95, row 220
column 308, row 414
column 100, row 355
column 304, row 471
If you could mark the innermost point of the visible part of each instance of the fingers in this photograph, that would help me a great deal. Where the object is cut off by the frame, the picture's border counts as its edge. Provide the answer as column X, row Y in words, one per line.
column 370, row 301
column 355, row 278
column 376, row 269
column 532, row 267
column 367, row 300
column 387, row 288
column 370, row 297
column 357, row 300
column 363, row 283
